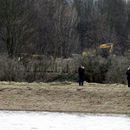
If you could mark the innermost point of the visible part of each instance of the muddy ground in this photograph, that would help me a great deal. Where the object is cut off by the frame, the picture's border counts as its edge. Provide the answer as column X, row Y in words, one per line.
column 65, row 97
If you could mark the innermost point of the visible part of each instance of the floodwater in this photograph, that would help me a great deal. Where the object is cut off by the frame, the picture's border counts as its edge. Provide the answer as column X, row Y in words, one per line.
column 62, row 121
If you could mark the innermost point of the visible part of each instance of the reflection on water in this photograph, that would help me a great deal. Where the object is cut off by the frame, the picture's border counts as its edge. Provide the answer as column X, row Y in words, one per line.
column 61, row 121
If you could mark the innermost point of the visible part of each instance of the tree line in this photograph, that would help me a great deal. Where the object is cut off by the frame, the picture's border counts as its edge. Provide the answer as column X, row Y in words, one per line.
column 60, row 28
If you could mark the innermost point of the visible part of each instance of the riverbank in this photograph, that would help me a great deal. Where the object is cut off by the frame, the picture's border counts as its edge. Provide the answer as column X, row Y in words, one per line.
column 65, row 97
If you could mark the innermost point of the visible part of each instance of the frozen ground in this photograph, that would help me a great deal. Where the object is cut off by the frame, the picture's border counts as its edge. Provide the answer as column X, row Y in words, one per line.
column 61, row 121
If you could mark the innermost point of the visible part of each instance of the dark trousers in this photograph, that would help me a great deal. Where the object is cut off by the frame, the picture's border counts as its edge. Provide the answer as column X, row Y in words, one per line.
column 81, row 82
column 128, row 83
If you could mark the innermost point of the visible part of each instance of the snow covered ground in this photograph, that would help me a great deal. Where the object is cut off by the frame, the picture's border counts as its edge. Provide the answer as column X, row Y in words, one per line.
column 61, row 121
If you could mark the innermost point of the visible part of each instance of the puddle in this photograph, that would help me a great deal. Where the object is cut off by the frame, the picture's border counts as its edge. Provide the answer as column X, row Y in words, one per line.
column 61, row 121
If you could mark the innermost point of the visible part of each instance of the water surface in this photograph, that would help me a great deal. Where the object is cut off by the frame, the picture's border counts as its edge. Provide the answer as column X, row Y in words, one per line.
column 61, row 121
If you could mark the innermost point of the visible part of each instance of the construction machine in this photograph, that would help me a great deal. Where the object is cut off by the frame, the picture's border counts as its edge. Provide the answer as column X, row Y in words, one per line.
column 108, row 46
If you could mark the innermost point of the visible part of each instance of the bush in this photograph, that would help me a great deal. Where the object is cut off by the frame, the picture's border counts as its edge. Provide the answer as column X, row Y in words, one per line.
column 11, row 69
column 96, row 68
column 35, row 69
column 106, row 70
column 117, row 69
column 61, row 77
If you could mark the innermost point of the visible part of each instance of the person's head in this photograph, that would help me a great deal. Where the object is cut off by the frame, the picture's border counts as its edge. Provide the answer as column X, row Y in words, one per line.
column 82, row 66
column 128, row 67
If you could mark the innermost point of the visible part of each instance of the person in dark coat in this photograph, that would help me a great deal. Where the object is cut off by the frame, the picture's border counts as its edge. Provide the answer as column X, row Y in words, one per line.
column 81, row 73
column 128, row 76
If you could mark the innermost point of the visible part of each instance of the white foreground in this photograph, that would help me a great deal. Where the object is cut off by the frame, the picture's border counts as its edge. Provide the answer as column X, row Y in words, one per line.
column 61, row 121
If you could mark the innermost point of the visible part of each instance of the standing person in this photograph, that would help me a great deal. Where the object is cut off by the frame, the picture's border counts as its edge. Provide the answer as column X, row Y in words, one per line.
column 128, row 76
column 81, row 72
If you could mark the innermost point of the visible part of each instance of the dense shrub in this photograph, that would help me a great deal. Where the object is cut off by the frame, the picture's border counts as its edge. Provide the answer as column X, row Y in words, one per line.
column 61, row 77
column 106, row 70
column 96, row 68
column 11, row 69
column 117, row 69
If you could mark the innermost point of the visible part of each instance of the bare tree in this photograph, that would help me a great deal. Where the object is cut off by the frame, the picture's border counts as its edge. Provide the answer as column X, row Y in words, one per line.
column 57, row 28
column 16, row 24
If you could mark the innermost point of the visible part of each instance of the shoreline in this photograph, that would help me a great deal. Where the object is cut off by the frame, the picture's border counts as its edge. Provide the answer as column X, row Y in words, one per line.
column 66, row 112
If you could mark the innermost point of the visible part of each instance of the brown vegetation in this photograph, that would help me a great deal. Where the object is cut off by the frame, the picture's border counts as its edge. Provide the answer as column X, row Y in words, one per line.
column 65, row 97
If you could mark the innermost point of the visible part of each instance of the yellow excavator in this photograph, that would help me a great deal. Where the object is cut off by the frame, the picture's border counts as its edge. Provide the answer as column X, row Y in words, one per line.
column 108, row 46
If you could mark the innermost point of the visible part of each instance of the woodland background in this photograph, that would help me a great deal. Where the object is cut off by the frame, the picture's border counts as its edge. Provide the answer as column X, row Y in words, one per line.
column 46, row 40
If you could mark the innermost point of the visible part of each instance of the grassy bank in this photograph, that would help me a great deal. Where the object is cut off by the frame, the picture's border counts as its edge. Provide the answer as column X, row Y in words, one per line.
column 65, row 97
